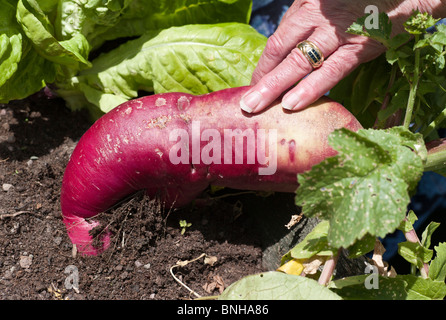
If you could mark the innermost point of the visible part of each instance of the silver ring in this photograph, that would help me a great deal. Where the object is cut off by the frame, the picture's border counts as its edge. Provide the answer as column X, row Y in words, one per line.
column 312, row 53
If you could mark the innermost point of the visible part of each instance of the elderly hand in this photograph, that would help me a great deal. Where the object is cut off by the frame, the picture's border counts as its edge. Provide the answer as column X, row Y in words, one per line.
column 323, row 23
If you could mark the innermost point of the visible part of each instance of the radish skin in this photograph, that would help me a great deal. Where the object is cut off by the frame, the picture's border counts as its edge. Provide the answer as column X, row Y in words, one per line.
column 130, row 149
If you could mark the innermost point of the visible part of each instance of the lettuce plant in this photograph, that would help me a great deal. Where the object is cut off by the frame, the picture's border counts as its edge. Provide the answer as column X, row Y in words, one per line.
column 194, row 46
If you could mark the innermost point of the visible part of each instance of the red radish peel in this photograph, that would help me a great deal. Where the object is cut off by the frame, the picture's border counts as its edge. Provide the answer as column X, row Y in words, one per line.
column 137, row 146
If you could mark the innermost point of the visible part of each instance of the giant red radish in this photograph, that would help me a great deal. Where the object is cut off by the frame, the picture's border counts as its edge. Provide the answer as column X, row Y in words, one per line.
column 175, row 145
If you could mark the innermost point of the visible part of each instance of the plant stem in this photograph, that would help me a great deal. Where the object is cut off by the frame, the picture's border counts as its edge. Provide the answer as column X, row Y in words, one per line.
column 412, row 236
column 413, row 87
column 434, row 124
column 328, row 270
column 436, row 156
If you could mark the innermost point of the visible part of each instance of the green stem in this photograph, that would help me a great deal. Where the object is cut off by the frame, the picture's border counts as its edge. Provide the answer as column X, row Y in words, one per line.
column 413, row 88
column 436, row 161
column 434, row 124
column 436, row 156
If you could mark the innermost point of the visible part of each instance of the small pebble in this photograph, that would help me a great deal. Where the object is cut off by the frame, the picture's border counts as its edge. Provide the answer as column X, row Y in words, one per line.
column 138, row 263
column 6, row 187
column 26, row 261
column 9, row 273
column 119, row 267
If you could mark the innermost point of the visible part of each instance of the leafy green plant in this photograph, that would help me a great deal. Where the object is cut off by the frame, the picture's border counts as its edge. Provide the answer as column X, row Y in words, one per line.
column 194, row 59
column 195, row 46
column 362, row 193
column 184, row 225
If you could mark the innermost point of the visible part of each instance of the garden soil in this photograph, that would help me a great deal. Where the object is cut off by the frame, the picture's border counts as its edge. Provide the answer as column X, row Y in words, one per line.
column 231, row 233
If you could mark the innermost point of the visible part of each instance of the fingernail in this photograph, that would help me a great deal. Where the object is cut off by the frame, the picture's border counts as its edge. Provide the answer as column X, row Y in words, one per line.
column 291, row 101
column 249, row 102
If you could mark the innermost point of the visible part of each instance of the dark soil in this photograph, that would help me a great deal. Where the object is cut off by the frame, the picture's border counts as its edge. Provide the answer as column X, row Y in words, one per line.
column 37, row 261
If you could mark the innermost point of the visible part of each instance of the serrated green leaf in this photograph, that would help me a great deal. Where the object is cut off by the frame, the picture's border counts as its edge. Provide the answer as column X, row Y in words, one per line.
column 423, row 289
column 362, row 246
column 407, row 224
column 314, row 243
column 401, row 49
column 381, row 33
column 415, row 253
column 412, row 218
column 277, row 286
column 402, row 287
column 364, row 189
column 437, row 268
column 440, row 62
column 400, row 39
column 370, row 287
column 403, row 56
column 419, row 22
column 358, row 28
column 427, row 233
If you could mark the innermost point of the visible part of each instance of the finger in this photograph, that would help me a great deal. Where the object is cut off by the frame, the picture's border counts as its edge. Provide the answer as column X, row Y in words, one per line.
column 322, row 80
column 282, row 41
column 276, row 50
column 286, row 74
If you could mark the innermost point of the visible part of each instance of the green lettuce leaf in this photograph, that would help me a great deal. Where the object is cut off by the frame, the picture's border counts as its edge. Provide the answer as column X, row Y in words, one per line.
column 193, row 59
column 142, row 16
column 22, row 70
column 37, row 26
column 32, row 74
column 88, row 17
column 10, row 41
column 50, row 41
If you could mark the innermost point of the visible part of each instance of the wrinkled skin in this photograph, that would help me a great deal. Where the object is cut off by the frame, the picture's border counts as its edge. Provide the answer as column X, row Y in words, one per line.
column 128, row 149
column 324, row 22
